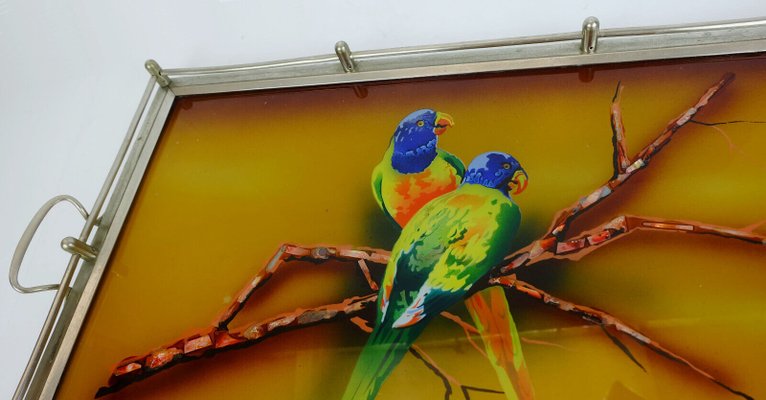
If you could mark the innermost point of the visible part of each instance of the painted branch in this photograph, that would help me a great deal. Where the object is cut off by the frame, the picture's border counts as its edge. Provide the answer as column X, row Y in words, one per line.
column 621, row 226
column 367, row 276
column 605, row 319
column 207, row 343
column 215, row 339
column 565, row 217
column 133, row 369
column 447, row 380
column 303, row 317
column 618, row 227
column 318, row 254
column 291, row 252
column 468, row 330
column 621, row 160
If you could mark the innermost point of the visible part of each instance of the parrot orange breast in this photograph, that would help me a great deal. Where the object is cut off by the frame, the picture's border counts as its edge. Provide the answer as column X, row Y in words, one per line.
column 408, row 193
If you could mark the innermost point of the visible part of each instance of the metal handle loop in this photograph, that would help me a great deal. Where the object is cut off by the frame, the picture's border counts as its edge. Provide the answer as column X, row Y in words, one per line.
column 26, row 239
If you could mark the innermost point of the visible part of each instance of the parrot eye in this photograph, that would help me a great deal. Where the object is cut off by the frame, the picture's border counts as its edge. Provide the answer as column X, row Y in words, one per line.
column 506, row 166
column 421, row 123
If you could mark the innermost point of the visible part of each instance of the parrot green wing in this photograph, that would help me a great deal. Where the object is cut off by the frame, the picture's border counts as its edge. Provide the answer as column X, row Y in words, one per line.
column 448, row 245
column 377, row 189
column 454, row 161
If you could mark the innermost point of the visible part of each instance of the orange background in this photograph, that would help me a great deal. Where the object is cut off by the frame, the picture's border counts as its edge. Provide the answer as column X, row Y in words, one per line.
column 233, row 176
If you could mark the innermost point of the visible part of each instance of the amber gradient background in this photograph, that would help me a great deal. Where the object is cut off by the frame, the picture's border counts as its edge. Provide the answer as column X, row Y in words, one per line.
column 236, row 175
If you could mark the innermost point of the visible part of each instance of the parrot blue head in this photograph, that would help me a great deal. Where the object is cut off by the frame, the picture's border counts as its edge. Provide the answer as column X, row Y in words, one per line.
column 497, row 170
column 415, row 140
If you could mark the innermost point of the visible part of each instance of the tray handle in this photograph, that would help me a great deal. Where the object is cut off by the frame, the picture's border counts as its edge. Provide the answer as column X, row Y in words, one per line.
column 26, row 238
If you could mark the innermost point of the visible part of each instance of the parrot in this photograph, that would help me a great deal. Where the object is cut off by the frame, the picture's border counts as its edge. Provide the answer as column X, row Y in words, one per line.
column 402, row 183
column 413, row 170
column 445, row 248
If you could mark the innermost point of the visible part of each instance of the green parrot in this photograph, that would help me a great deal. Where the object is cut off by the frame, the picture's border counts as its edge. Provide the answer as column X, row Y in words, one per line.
column 413, row 170
column 449, row 244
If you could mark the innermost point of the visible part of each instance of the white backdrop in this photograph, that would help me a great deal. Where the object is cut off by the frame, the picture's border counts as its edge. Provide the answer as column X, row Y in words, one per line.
column 71, row 74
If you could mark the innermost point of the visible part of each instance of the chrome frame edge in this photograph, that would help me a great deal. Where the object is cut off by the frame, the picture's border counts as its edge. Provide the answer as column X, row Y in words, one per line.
column 192, row 86
column 113, row 220
column 35, row 375
column 558, row 50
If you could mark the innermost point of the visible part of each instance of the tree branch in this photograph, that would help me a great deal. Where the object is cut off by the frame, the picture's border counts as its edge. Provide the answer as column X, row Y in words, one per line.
column 219, row 337
column 291, row 252
column 575, row 249
column 561, row 223
column 621, row 160
column 606, row 320
column 137, row 368
column 468, row 330
column 448, row 380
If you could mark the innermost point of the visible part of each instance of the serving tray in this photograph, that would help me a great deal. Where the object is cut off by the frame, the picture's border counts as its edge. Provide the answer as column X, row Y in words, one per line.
column 237, row 249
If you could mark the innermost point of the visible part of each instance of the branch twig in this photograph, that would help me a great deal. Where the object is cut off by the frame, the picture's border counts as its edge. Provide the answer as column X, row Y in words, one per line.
column 133, row 369
column 607, row 320
column 575, row 249
column 291, row 252
column 448, row 380
column 621, row 160
column 561, row 223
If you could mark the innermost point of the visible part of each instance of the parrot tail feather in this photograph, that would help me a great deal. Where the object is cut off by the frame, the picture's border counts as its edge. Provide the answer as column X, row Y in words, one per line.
column 384, row 350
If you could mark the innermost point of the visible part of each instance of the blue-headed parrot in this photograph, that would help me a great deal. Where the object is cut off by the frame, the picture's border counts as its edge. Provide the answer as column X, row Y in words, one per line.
column 413, row 170
column 449, row 244
column 407, row 179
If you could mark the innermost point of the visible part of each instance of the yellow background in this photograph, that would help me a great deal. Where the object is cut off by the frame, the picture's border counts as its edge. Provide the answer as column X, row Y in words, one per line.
column 234, row 176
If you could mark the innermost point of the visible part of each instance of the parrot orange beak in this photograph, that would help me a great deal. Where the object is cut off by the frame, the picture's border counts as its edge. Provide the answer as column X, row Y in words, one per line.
column 443, row 121
column 518, row 183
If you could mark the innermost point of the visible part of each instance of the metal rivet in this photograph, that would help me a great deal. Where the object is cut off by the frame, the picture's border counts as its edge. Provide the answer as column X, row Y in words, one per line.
column 344, row 55
column 590, row 29
column 80, row 248
column 154, row 70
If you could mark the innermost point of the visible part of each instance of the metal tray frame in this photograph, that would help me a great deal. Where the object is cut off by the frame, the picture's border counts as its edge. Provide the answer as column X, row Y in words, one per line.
column 590, row 46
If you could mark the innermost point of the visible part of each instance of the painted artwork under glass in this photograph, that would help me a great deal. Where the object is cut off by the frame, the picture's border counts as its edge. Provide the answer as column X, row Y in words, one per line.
column 571, row 233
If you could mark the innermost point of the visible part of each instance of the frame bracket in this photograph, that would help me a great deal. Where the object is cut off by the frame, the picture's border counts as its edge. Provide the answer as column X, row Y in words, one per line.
column 156, row 71
column 80, row 248
column 345, row 57
column 590, row 31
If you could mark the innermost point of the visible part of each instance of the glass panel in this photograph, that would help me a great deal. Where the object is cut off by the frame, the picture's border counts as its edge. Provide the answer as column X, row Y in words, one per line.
column 235, row 176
